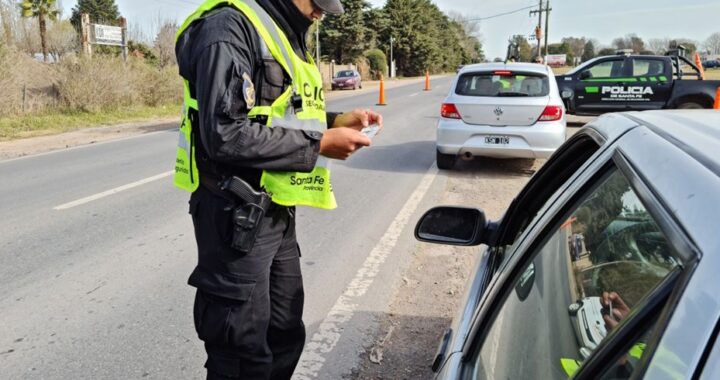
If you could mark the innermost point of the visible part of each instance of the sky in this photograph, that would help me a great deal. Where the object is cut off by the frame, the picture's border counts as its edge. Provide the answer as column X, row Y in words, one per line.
column 602, row 20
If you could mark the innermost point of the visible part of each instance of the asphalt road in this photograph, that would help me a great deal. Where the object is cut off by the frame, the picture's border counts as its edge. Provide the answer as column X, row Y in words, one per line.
column 96, row 247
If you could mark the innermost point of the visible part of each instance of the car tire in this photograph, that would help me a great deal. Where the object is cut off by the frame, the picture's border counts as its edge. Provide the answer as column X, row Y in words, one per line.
column 690, row 106
column 573, row 308
column 445, row 161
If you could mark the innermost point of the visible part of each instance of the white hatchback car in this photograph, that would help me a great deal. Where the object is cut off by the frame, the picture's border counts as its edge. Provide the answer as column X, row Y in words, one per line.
column 501, row 110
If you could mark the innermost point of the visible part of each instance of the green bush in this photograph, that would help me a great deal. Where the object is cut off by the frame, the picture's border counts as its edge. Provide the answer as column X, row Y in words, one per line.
column 378, row 63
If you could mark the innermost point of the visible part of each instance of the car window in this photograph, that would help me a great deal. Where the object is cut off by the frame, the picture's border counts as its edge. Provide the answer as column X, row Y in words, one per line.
column 346, row 73
column 643, row 67
column 588, row 274
column 607, row 69
column 507, row 83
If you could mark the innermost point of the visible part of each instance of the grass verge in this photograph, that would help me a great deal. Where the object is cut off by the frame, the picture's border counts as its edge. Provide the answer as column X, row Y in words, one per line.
column 22, row 126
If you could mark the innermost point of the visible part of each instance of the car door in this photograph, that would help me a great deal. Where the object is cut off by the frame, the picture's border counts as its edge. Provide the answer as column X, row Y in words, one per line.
column 599, row 86
column 581, row 292
column 651, row 84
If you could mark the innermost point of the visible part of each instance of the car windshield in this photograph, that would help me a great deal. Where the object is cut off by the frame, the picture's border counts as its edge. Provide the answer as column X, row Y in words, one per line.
column 505, row 84
column 345, row 74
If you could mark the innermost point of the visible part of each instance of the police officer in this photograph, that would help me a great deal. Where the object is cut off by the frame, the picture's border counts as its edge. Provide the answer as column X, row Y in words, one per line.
column 255, row 112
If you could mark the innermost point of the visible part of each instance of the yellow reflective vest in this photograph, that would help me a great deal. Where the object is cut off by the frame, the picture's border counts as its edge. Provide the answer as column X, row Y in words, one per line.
column 301, row 106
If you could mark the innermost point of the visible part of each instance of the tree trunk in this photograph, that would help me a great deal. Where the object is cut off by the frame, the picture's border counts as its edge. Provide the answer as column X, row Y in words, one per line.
column 43, row 35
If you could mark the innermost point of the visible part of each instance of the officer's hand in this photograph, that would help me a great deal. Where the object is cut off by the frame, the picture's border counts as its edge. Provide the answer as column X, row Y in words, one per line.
column 358, row 119
column 340, row 143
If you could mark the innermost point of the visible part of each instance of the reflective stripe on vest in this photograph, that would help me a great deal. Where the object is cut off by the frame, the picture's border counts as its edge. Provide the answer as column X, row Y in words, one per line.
column 286, row 188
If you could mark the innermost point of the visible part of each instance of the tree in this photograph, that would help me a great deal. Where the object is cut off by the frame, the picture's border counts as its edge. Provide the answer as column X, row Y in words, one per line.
column 164, row 44
column 100, row 11
column 588, row 51
column 606, row 51
column 467, row 33
column 378, row 63
column 44, row 10
column 658, row 45
column 631, row 42
column 344, row 37
column 689, row 45
column 417, row 35
column 62, row 39
column 576, row 45
column 525, row 50
column 712, row 43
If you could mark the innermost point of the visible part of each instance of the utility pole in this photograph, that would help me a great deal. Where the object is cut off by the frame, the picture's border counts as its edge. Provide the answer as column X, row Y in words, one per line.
column 538, row 29
column 392, row 63
column 547, row 22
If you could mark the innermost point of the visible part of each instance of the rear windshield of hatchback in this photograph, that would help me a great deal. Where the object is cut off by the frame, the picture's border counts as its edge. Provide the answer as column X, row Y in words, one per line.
column 506, row 84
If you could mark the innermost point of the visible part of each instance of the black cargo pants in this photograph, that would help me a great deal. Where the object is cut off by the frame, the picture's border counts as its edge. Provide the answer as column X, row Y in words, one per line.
column 248, row 307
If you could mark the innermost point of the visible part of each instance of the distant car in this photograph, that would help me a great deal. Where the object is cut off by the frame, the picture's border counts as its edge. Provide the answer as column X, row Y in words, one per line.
column 500, row 110
column 640, row 302
column 711, row 64
column 347, row 79
column 589, row 324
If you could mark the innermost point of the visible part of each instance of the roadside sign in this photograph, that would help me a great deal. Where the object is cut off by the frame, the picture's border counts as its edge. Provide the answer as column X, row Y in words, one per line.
column 107, row 35
column 556, row 59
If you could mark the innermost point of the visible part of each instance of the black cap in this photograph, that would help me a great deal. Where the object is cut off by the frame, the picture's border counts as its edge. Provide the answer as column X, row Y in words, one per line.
column 333, row 7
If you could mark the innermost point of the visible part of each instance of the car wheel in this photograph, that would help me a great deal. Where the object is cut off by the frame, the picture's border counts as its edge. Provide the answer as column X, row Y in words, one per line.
column 573, row 308
column 354, row 87
column 445, row 161
column 361, row 86
column 690, row 106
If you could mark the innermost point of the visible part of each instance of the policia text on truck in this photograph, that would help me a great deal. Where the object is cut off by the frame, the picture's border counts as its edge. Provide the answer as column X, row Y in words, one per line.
column 635, row 83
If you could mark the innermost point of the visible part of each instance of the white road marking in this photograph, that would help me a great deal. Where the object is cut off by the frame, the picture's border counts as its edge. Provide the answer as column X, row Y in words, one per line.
column 113, row 191
column 415, row 94
column 330, row 329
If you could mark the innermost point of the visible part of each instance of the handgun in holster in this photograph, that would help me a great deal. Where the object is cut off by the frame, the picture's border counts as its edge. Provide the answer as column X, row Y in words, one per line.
column 248, row 215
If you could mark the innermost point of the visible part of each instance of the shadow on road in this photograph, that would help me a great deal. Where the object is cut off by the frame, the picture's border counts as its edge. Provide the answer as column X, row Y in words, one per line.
column 495, row 167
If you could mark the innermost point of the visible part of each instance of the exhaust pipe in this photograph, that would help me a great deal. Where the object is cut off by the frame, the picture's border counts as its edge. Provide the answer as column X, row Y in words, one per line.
column 467, row 156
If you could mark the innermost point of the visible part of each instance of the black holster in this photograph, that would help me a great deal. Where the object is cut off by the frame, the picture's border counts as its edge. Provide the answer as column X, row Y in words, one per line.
column 248, row 214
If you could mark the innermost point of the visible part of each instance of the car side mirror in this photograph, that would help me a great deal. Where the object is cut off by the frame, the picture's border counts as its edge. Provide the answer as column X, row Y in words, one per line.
column 455, row 226
column 585, row 75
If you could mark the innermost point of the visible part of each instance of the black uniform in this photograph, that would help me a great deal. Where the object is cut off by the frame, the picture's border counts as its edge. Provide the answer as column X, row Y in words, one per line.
column 248, row 307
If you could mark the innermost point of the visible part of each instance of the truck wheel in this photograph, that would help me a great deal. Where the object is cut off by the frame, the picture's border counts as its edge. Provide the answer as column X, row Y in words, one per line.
column 690, row 106
column 445, row 161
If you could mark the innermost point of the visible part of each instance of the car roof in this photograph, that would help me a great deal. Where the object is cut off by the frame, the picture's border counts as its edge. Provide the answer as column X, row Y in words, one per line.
column 513, row 66
column 696, row 132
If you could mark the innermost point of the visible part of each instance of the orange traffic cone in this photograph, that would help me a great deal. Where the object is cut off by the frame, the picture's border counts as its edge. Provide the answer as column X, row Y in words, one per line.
column 699, row 65
column 427, row 80
column 381, row 100
column 716, row 106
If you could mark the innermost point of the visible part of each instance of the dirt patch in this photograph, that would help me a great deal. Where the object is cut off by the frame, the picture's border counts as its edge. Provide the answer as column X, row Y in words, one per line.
column 433, row 285
column 41, row 144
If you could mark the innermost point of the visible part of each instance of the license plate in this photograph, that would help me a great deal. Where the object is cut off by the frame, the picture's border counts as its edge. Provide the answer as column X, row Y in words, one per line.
column 499, row 140
column 341, row 84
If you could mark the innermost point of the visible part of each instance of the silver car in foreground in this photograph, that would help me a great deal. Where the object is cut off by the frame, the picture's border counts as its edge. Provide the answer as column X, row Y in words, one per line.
column 619, row 228
column 501, row 110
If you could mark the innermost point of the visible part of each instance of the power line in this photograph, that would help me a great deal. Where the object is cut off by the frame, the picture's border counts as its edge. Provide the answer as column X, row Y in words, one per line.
column 501, row 14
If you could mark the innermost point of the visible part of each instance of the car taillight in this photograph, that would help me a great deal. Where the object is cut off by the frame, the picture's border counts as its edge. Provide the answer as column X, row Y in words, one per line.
column 448, row 110
column 551, row 113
